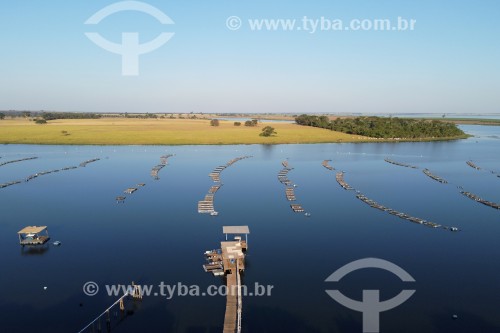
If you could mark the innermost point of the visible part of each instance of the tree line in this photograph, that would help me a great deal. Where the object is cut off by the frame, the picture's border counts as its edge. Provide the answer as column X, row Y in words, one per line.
column 386, row 128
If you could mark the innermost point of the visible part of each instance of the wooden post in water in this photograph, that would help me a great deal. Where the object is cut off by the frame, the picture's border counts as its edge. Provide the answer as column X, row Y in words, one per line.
column 137, row 291
column 108, row 321
column 122, row 306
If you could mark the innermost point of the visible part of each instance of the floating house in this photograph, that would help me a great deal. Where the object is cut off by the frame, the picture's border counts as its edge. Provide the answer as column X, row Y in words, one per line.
column 33, row 235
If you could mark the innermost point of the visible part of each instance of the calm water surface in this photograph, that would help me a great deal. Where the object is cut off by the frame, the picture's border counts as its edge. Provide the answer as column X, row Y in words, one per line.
column 157, row 235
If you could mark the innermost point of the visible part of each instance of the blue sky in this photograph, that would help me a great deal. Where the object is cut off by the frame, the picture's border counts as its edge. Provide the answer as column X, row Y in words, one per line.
column 448, row 64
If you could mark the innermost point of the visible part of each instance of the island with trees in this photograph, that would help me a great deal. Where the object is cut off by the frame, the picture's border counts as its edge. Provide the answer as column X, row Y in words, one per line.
column 386, row 127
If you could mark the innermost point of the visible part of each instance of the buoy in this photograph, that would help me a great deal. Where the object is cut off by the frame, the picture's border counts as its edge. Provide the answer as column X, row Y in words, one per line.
column 454, row 316
column 44, row 288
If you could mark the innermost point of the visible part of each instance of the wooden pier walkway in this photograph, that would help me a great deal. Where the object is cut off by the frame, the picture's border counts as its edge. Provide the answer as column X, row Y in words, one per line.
column 229, row 260
column 231, row 316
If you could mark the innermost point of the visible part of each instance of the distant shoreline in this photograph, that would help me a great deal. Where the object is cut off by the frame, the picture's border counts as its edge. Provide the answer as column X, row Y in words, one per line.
column 132, row 131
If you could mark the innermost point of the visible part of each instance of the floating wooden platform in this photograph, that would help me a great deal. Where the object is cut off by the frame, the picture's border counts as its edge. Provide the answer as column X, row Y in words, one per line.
column 19, row 160
column 401, row 215
column 327, row 166
column 340, row 179
column 297, row 208
column 436, row 178
column 480, row 200
column 130, row 190
column 400, row 164
column 472, row 165
column 84, row 164
column 206, row 206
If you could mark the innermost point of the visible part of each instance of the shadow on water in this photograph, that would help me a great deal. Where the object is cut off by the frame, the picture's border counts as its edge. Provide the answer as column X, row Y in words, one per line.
column 34, row 250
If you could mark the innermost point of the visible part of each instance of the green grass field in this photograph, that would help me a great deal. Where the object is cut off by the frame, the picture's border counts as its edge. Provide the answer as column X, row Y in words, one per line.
column 123, row 131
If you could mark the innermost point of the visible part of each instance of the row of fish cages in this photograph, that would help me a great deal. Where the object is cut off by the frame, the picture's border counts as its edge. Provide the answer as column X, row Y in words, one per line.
column 206, row 206
column 154, row 173
column 283, row 176
column 36, row 175
column 298, row 209
column 157, row 168
column 473, row 165
column 14, row 182
column 84, row 164
column 129, row 190
column 290, row 187
column 480, row 200
column 436, row 178
column 401, row 215
column 400, row 164
column 19, row 160
column 327, row 166
column 290, row 193
column 43, row 173
column 340, row 179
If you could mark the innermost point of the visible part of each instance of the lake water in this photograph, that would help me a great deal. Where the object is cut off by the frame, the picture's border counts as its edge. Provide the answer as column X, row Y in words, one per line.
column 157, row 235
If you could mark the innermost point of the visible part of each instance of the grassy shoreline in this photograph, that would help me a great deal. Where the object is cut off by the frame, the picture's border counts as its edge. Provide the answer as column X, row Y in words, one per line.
column 123, row 131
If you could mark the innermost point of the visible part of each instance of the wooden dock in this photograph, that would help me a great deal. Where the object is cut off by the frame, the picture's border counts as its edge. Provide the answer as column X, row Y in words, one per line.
column 231, row 315
column 229, row 260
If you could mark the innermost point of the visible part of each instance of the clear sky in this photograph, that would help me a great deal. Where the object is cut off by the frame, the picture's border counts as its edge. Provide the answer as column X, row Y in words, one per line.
column 448, row 64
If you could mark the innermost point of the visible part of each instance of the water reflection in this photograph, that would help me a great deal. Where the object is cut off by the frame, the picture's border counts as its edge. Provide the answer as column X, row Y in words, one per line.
column 34, row 250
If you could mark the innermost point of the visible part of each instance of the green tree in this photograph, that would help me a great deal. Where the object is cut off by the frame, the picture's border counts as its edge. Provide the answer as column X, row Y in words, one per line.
column 268, row 131
column 214, row 122
column 237, row 123
column 40, row 121
column 2, row 116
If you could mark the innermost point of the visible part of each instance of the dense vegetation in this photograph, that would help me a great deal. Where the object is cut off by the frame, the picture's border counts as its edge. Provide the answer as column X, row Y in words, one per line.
column 268, row 131
column 69, row 115
column 386, row 128
column 251, row 123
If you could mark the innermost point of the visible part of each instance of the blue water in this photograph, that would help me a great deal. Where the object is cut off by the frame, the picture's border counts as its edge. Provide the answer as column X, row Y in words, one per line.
column 157, row 235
